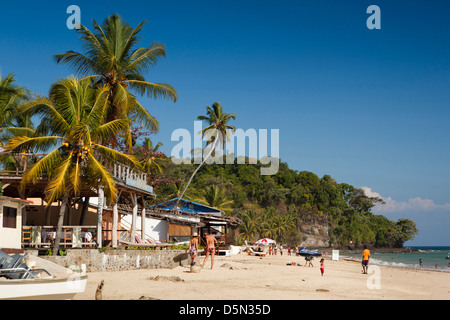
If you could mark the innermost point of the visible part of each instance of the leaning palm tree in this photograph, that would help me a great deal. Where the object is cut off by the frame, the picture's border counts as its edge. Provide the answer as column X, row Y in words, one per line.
column 216, row 133
column 76, row 154
column 110, row 55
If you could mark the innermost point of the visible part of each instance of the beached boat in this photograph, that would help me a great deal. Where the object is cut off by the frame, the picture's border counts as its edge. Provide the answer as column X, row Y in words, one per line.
column 19, row 280
column 306, row 253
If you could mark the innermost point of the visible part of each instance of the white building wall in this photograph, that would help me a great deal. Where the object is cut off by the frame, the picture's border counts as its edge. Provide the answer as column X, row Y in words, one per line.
column 11, row 238
column 154, row 228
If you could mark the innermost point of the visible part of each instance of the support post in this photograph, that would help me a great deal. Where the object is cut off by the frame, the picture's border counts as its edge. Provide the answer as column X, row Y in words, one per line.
column 115, row 223
column 101, row 199
column 143, row 220
column 135, row 210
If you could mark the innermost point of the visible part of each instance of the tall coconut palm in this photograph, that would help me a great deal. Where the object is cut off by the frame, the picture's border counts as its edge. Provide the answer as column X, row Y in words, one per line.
column 77, row 112
column 217, row 133
column 111, row 56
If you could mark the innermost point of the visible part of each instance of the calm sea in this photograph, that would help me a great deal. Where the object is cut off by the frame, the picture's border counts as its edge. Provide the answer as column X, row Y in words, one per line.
column 431, row 256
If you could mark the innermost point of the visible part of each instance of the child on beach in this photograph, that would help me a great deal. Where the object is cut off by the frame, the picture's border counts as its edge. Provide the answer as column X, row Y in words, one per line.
column 322, row 266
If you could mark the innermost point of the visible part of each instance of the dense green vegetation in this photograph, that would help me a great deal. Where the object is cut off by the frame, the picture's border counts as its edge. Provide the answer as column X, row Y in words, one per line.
column 276, row 206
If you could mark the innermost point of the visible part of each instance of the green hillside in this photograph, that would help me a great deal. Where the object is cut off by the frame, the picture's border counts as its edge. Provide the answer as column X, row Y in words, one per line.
column 276, row 206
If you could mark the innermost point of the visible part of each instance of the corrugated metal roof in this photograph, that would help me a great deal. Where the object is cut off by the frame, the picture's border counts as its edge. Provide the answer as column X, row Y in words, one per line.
column 185, row 207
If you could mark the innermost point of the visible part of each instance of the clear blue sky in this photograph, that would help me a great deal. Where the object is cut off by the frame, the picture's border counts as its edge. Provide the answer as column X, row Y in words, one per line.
column 368, row 107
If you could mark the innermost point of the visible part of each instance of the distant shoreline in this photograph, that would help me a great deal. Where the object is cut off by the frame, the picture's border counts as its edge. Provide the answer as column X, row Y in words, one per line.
column 358, row 249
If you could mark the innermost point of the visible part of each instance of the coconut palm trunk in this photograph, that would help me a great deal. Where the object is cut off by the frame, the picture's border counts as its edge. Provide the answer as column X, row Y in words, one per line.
column 195, row 172
column 62, row 212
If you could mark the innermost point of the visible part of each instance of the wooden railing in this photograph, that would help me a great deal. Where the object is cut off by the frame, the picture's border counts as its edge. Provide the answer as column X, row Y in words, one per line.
column 71, row 236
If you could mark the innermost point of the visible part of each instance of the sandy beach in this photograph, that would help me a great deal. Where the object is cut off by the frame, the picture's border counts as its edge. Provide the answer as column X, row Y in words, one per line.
column 243, row 277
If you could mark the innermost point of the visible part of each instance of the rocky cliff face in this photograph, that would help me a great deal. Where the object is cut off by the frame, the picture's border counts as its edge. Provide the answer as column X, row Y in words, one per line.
column 314, row 231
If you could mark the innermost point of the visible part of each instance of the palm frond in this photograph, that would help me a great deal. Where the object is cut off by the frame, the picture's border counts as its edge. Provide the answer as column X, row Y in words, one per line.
column 20, row 131
column 117, row 156
column 77, row 61
column 75, row 177
column 97, row 170
column 58, row 184
column 45, row 108
column 143, row 116
column 143, row 58
column 38, row 144
column 41, row 168
column 154, row 90
column 111, row 128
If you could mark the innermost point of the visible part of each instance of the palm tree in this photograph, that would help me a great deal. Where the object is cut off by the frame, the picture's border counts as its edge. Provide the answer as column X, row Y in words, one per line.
column 110, row 56
column 251, row 225
column 215, row 197
column 12, row 121
column 217, row 133
column 22, row 127
column 11, row 96
column 77, row 112
column 174, row 191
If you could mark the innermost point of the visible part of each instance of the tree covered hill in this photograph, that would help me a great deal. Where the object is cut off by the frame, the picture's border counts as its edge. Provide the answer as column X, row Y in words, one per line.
column 290, row 206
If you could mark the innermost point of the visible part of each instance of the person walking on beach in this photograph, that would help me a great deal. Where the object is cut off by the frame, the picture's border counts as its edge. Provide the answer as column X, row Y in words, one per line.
column 210, row 249
column 322, row 266
column 193, row 248
column 365, row 260
column 420, row 263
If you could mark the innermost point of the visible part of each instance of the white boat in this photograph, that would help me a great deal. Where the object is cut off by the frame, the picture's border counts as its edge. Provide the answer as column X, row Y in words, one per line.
column 42, row 289
column 21, row 281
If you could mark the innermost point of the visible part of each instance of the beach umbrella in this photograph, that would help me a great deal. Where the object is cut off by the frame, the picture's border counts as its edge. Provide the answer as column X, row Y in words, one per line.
column 265, row 241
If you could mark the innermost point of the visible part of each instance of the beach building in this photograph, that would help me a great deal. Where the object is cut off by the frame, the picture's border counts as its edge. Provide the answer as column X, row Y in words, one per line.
column 11, row 213
column 189, row 217
column 90, row 222
column 86, row 224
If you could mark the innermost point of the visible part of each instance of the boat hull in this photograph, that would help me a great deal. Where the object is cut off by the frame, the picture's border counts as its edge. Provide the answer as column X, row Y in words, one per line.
column 42, row 289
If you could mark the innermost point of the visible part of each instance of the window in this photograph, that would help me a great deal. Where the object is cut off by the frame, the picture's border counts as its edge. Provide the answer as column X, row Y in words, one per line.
column 9, row 217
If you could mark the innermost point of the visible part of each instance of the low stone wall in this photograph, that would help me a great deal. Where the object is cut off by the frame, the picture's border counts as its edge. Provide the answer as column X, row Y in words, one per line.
column 121, row 260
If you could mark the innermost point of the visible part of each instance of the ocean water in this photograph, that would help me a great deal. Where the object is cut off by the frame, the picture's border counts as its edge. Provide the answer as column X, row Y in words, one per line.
column 431, row 256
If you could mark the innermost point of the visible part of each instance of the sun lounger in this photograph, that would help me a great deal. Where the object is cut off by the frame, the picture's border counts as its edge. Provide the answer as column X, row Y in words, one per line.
column 146, row 245
column 256, row 253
